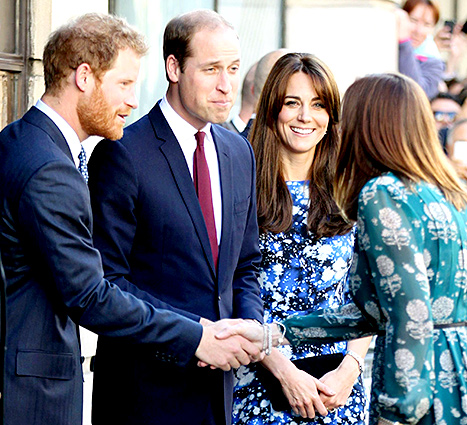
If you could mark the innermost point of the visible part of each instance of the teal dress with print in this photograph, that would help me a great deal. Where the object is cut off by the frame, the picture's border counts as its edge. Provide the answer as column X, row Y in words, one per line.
column 409, row 286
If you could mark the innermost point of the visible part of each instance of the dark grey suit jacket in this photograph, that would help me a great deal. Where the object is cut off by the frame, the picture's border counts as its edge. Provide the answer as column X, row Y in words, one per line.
column 55, row 281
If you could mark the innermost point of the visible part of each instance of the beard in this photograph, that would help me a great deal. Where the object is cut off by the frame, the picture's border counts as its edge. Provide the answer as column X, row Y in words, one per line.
column 97, row 117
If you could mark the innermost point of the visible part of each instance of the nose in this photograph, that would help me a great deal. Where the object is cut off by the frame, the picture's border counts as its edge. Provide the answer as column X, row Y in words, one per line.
column 131, row 100
column 224, row 83
column 304, row 114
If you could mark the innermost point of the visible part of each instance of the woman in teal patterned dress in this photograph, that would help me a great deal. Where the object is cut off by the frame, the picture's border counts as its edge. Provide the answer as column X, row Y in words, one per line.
column 409, row 285
column 307, row 246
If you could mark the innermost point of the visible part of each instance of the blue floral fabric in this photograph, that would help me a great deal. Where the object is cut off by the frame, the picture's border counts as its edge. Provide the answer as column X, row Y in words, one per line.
column 299, row 274
column 409, row 286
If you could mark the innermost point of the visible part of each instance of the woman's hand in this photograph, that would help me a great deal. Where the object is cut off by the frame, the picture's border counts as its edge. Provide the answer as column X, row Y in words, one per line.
column 300, row 388
column 342, row 381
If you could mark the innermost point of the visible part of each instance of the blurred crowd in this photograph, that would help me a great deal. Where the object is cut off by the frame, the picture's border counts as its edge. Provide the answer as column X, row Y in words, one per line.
column 432, row 51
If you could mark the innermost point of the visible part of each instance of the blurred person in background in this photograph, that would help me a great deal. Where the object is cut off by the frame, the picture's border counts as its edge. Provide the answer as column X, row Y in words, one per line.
column 240, row 121
column 446, row 108
column 452, row 41
column 419, row 57
column 457, row 146
column 261, row 73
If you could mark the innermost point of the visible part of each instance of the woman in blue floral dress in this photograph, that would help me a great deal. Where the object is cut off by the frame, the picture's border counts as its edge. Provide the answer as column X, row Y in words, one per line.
column 307, row 246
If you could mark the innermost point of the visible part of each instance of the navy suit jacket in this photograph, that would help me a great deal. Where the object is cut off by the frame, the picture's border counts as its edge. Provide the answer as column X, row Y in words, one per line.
column 55, row 281
column 151, row 233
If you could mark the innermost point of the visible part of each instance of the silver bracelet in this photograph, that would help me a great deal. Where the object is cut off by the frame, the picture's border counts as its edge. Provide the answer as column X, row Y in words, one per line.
column 269, row 347
column 282, row 330
column 357, row 358
column 267, row 339
column 265, row 336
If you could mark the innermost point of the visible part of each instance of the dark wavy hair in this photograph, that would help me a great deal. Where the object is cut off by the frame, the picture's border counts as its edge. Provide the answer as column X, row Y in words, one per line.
column 273, row 197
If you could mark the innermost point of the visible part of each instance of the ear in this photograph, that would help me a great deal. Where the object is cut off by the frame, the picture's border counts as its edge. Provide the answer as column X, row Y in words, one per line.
column 172, row 67
column 84, row 77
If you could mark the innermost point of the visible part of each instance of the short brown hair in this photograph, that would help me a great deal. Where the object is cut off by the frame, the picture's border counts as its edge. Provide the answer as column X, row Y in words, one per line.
column 410, row 5
column 93, row 38
column 388, row 126
column 273, row 197
column 180, row 31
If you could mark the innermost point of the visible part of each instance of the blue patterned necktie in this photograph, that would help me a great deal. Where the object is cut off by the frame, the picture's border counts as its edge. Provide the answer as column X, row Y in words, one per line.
column 83, row 165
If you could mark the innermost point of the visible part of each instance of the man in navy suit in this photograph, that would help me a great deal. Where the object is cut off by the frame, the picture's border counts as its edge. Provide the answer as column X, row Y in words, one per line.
column 155, row 237
column 54, row 274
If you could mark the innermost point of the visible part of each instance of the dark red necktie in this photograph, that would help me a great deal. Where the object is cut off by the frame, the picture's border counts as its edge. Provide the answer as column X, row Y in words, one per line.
column 202, row 183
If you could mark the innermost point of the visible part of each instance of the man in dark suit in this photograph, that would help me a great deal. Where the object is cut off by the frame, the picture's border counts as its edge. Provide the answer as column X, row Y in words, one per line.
column 157, row 234
column 54, row 274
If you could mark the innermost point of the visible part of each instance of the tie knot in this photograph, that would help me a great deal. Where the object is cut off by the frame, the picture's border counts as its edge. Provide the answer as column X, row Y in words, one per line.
column 199, row 136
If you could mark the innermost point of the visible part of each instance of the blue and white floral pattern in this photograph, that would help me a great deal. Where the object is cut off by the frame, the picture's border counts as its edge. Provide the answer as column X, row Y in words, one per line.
column 409, row 283
column 299, row 274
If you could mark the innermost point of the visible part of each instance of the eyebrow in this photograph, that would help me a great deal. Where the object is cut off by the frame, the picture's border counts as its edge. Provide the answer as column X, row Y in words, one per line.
column 299, row 98
column 217, row 62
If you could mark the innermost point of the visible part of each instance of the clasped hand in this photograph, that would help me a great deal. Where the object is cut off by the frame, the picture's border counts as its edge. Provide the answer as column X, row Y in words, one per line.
column 223, row 346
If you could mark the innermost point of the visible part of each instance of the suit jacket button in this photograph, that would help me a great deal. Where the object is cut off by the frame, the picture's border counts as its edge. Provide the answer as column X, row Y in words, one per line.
column 220, row 298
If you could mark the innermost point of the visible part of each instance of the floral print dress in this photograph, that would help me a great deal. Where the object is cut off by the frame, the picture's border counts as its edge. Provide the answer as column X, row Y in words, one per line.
column 299, row 274
column 409, row 286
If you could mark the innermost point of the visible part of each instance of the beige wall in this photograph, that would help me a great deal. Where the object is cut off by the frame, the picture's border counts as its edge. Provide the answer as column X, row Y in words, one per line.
column 46, row 16
column 352, row 37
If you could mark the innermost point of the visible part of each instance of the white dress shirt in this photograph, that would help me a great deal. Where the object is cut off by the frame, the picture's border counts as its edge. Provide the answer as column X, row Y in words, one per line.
column 69, row 134
column 185, row 135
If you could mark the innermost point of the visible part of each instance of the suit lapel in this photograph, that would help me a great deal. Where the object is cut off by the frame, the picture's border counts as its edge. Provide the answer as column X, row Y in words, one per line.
column 225, row 172
column 173, row 153
column 38, row 118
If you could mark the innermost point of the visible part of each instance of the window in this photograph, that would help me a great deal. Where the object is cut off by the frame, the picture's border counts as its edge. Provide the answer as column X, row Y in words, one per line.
column 258, row 23
column 13, row 32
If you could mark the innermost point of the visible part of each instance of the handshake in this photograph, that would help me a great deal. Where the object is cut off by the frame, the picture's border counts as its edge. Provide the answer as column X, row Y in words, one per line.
column 230, row 343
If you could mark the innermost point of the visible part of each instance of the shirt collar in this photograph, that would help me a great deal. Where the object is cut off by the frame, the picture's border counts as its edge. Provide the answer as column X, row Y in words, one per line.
column 181, row 129
column 69, row 134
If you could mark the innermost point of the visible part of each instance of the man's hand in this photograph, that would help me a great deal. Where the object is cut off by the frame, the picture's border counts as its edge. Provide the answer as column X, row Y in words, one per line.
column 248, row 329
column 227, row 353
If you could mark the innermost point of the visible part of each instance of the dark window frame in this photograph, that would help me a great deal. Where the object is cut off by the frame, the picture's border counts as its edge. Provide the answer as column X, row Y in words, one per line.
column 16, row 64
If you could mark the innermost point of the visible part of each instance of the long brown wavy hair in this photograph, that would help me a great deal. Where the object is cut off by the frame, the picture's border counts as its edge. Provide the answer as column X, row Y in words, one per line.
column 388, row 126
column 273, row 197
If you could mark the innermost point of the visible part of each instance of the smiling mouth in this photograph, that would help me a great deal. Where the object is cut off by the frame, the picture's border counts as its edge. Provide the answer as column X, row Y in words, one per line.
column 304, row 131
column 122, row 117
column 222, row 103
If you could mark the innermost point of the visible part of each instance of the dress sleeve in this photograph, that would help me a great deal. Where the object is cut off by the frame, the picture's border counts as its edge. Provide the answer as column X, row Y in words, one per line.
column 392, row 232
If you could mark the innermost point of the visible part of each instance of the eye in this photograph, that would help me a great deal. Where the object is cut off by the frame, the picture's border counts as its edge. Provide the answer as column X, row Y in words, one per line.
column 291, row 103
column 234, row 69
column 319, row 105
